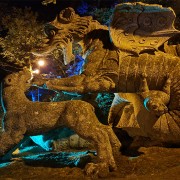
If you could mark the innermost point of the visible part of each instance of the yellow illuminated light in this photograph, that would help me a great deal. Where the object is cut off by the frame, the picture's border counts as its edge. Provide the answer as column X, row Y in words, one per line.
column 36, row 71
column 41, row 62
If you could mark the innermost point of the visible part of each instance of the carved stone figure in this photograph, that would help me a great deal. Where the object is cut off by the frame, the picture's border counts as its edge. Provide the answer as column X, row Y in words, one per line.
column 116, row 59
column 155, row 101
column 146, row 113
column 25, row 117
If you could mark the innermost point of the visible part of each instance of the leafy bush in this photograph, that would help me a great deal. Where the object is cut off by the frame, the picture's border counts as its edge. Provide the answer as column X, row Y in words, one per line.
column 104, row 101
column 23, row 33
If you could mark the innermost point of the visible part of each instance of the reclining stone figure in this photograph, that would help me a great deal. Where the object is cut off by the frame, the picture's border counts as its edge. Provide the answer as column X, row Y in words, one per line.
column 25, row 117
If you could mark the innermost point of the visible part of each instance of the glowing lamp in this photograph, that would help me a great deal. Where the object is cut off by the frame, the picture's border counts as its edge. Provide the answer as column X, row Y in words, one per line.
column 36, row 71
column 41, row 62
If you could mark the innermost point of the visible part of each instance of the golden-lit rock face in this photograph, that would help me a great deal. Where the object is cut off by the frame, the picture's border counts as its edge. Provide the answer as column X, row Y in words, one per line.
column 138, row 27
column 127, row 62
column 24, row 117
column 67, row 28
column 118, row 58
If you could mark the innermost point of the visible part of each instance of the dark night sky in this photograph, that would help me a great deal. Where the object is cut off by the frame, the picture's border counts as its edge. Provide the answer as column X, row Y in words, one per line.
column 48, row 12
column 51, row 10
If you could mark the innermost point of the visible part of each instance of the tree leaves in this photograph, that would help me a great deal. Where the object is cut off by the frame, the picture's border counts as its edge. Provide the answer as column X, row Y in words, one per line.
column 24, row 33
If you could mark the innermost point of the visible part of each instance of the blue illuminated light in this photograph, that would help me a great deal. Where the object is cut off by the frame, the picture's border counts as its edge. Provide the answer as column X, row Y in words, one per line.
column 45, row 144
column 62, row 159
column 33, row 97
column 45, row 140
column 83, row 8
column 3, row 107
column 2, row 165
column 145, row 103
column 77, row 67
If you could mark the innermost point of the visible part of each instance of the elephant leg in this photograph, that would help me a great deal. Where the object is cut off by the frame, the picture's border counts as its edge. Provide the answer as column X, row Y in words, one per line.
column 116, row 110
column 100, row 138
column 115, row 143
column 85, row 123
column 13, row 134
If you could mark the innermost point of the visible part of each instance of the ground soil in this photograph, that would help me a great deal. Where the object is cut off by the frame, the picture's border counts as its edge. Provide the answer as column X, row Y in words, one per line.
column 149, row 163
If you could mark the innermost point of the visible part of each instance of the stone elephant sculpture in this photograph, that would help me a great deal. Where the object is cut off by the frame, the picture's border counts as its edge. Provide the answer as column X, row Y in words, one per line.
column 28, row 118
column 118, row 57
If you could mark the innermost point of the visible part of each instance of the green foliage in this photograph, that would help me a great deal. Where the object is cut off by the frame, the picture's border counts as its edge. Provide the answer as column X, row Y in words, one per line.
column 104, row 101
column 60, row 96
column 101, row 14
column 24, row 33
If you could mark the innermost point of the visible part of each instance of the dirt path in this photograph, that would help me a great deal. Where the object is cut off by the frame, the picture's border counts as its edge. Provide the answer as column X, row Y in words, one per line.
column 152, row 163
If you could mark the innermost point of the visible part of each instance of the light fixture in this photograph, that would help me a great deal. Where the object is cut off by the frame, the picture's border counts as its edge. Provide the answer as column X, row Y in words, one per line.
column 41, row 62
column 36, row 71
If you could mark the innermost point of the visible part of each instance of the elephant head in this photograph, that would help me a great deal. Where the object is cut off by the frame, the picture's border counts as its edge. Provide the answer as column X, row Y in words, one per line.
column 20, row 79
column 66, row 29
column 139, row 27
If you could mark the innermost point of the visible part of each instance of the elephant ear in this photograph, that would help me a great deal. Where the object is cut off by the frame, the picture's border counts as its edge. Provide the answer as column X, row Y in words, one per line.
column 139, row 27
column 66, row 15
column 10, row 79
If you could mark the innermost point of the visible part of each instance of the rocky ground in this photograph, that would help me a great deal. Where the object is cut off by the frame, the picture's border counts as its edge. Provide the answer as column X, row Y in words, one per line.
column 146, row 163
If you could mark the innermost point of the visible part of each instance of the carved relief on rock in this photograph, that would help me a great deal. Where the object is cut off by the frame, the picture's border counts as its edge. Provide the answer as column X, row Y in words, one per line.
column 27, row 118
column 137, row 27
